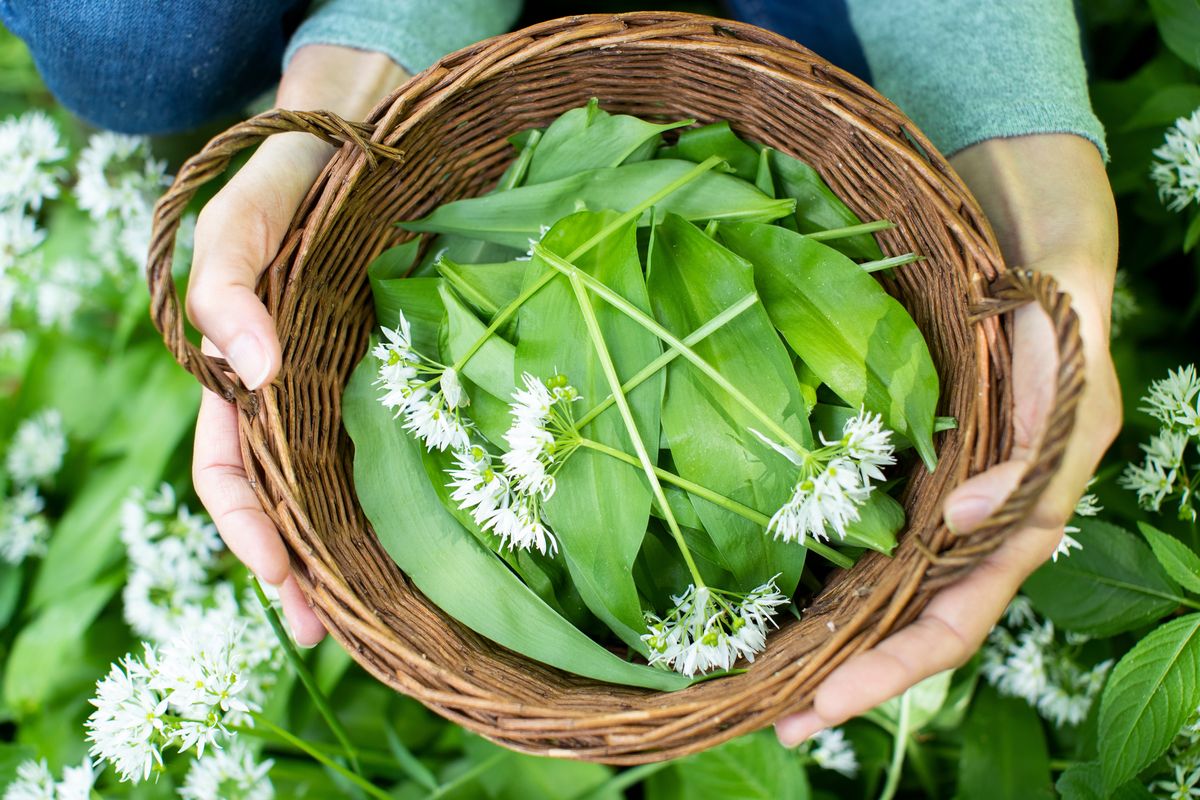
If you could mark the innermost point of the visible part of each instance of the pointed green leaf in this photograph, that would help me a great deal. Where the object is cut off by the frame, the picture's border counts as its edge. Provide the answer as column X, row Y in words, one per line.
column 855, row 336
column 718, row 139
column 1004, row 751
column 753, row 767
column 1151, row 692
column 601, row 506
column 1113, row 584
column 693, row 279
column 590, row 138
column 449, row 565
column 1176, row 557
column 487, row 287
column 818, row 208
column 515, row 217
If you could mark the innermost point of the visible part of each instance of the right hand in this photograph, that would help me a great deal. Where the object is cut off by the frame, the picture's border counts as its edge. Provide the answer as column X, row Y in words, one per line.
column 237, row 235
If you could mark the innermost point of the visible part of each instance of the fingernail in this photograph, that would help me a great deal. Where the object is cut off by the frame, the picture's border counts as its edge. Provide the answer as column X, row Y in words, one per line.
column 965, row 514
column 794, row 730
column 249, row 360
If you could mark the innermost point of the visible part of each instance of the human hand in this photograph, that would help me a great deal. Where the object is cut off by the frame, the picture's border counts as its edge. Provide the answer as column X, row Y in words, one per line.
column 237, row 235
column 1049, row 202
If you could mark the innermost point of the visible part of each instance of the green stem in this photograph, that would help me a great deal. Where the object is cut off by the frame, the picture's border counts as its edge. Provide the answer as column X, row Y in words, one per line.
column 637, row 315
column 535, row 287
column 696, row 336
column 614, row 382
column 321, row 758
column 521, row 165
column 307, row 678
column 888, row 263
column 617, row 784
column 373, row 757
column 717, row 499
column 468, row 776
column 851, row 230
column 897, row 765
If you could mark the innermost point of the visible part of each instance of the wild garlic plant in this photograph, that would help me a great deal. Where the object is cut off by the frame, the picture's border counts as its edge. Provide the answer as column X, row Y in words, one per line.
column 1164, row 474
column 33, row 458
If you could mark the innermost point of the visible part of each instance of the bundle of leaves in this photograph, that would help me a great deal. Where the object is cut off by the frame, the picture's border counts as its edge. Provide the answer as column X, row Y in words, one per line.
column 624, row 395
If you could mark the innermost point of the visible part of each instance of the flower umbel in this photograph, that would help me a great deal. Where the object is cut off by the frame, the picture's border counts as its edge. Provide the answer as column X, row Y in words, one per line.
column 542, row 433
column 1177, row 168
column 709, row 629
column 1175, row 402
column 832, row 750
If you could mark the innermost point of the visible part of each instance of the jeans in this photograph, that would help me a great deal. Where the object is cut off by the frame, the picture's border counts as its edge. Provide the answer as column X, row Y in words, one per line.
column 160, row 66
column 155, row 66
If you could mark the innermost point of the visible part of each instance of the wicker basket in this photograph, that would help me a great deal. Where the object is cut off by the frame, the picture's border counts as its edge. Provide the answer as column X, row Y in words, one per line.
column 441, row 136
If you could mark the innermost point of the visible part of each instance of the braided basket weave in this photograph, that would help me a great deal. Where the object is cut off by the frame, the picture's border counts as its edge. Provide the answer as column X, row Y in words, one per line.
column 440, row 137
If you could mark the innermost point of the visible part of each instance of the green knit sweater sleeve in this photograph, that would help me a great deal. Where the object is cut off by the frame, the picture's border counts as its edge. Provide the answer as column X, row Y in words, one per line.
column 414, row 33
column 969, row 70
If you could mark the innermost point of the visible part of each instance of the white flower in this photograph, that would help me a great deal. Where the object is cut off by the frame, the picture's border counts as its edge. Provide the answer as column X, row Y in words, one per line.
column 1066, row 544
column 127, row 729
column 1175, row 399
column 828, row 500
column 1151, row 482
column 77, row 782
column 118, row 175
column 30, row 146
column 228, row 774
column 36, row 451
column 1177, row 168
column 1087, row 506
column 518, row 523
column 833, row 751
column 24, row 530
column 868, row 444
column 19, row 235
column 433, row 422
column 710, row 629
column 34, row 782
column 452, row 389
column 542, row 420
column 1184, row 783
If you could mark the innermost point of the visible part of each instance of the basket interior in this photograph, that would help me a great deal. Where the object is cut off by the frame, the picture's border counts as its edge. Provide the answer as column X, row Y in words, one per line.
column 452, row 123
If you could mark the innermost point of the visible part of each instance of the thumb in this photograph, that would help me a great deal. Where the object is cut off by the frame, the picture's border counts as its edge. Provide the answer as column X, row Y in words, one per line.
column 237, row 234
column 974, row 500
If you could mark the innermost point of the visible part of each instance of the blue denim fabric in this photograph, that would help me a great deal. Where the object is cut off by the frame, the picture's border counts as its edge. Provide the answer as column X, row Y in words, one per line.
column 154, row 66
column 822, row 26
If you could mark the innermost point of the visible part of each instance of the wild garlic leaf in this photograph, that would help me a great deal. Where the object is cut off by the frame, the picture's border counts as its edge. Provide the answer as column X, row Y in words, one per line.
column 450, row 567
column 1151, row 692
column 717, row 139
column 490, row 374
column 818, row 208
column 487, row 287
column 516, row 217
column 1004, row 752
column 693, row 280
column 590, row 138
column 855, row 336
column 1113, row 584
column 751, row 767
column 601, row 505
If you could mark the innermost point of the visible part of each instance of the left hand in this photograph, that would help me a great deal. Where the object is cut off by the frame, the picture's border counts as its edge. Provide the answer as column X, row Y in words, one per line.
column 1049, row 202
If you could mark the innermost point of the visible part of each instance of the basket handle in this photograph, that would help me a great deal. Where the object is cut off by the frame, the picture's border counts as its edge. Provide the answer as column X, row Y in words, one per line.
column 1009, row 291
column 211, row 161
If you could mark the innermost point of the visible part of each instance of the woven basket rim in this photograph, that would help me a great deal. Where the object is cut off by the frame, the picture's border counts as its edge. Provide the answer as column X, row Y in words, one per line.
column 638, row 725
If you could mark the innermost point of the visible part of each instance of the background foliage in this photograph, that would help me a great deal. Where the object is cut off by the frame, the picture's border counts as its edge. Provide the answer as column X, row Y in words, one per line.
column 1090, row 684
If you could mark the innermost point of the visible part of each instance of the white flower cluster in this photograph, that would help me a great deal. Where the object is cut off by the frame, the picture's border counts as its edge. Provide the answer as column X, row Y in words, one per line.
column 1088, row 506
column 172, row 554
column 231, row 773
column 1182, row 764
column 1175, row 402
column 709, row 629
column 34, row 781
column 1177, row 168
column 30, row 151
column 184, row 694
column 34, row 457
column 1024, row 658
column 407, row 378
column 503, row 498
column 832, row 750
column 119, row 182
column 834, row 480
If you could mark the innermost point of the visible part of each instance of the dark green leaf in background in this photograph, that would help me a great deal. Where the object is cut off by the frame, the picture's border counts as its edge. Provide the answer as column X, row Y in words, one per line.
column 753, row 767
column 1151, row 692
column 1004, row 755
column 1113, row 584
column 1180, row 562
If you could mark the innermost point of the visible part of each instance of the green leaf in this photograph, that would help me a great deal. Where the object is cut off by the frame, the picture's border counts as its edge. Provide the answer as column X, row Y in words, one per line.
column 753, row 767
column 492, row 369
column 590, row 138
column 450, row 566
column 880, row 520
column 487, row 287
column 515, row 217
column 601, row 506
column 818, row 208
column 1150, row 694
column 1113, row 584
column 855, row 336
column 1179, row 25
column 1166, row 105
column 925, row 699
column 1004, row 752
column 717, row 139
column 1084, row 782
column 1176, row 558
column 419, row 299
column 1192, row 235
column 693, row 279
column 45, row 655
